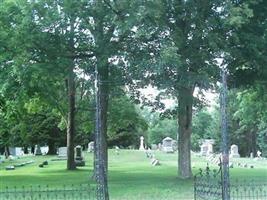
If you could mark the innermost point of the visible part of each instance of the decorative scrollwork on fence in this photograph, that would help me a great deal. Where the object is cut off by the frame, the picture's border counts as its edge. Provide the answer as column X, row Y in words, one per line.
column 208, row 184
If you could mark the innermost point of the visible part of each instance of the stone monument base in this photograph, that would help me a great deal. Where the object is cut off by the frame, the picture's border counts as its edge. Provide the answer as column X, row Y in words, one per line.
column 79, row 162
column 234, row 156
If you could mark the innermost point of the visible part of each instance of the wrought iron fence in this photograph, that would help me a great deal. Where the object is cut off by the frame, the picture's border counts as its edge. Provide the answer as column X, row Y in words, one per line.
column 208, row 186
column 252, row 190
column 70, row 192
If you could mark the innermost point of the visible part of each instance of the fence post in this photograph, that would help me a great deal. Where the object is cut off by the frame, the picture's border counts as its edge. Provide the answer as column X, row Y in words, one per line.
column 195, row 192
column 225, row 151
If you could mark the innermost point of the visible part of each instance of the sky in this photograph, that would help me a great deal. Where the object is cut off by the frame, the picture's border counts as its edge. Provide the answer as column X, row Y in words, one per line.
column 151, row 92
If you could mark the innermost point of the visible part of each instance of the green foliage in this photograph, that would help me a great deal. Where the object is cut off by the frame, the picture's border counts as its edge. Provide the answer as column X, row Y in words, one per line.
column 251, row 115
column 202, row 127
column 247, row 55
column 159, row 126
column 126, row 125
column 161, row 129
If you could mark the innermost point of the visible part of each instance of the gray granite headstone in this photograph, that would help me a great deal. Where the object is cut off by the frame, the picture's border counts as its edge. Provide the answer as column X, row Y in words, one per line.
column 16, row 151
column 37, row 150
column 79, row 161
column 167, row 145
column 206, row 147
column 62, row 152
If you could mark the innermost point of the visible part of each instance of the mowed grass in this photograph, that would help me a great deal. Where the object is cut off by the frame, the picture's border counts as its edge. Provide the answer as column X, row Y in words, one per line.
column 131, row 175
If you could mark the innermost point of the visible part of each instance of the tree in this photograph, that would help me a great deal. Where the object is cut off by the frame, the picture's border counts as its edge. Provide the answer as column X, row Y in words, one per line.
column 53, row 25
column 251, row 119
column 189, row 40
column 246, row 56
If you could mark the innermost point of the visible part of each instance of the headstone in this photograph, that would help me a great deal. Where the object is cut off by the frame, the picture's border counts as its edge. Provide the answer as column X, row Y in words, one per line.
column 160, row 146
column 29, row 150
column 149, row 153
column 91, row 147
column 231, row 165
column 10, row 167
column 44, row 150
column 167, row 145
column 37, row 150
column 154, row 147
column 258, row 154
column 206, row 147
column 141, row 147
column 234, row 152
column 117, row 150
column 155, row 162
column 62, row 152
column 251, row 155
column 10, row 157
column 174, row 145
column 79, row 161
column 16, row 151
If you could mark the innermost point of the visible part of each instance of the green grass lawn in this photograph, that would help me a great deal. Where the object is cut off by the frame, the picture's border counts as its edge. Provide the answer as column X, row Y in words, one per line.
column 131, row 176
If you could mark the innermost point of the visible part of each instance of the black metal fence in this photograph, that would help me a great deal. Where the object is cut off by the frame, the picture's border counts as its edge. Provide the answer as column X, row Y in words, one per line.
column 70, row 192
column 248, row 189
column 208, row 186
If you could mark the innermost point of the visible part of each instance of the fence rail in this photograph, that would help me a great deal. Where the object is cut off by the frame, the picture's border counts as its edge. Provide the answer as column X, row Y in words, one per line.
column 65, row 192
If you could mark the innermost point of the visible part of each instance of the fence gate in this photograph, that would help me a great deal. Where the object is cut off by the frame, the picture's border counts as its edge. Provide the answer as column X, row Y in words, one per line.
column 208, row 185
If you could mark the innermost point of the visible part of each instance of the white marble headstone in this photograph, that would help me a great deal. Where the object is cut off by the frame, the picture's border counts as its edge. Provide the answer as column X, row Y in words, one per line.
column 141, row 147
column 206, row 147
column 234, row 152
column 90, row 147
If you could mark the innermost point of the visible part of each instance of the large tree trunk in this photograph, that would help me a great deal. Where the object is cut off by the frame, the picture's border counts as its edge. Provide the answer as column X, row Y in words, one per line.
column 71, row 116
column 7, row 153
column 52, row 141
column 101, row 160
column 185, row 100
column 51, row 147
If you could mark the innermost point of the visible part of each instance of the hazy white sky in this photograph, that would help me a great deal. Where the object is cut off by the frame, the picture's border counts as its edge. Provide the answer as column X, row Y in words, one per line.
column 151, row 93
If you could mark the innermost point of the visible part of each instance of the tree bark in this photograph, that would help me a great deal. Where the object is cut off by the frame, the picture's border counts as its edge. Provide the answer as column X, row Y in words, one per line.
column 54, row 133
column 185, row 100
column 51, row 148
column 7, row 153
column 71, row 117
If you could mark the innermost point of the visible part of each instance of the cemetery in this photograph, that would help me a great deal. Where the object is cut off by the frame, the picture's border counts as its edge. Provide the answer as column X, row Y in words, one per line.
column 154, row 174
column 133, row 100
